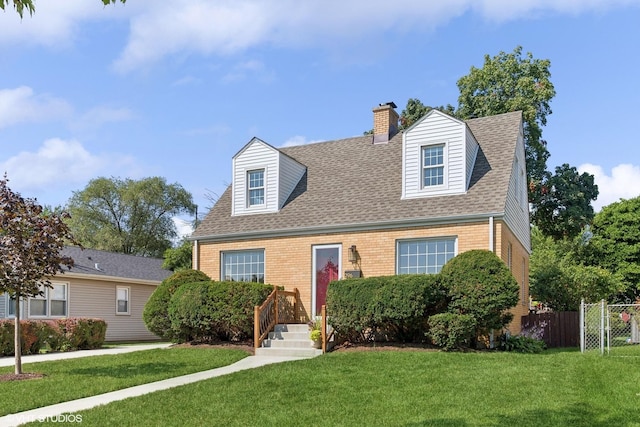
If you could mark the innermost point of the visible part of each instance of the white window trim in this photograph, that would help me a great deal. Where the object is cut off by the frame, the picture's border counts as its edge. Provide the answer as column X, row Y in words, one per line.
column 445, row 164
column 248, row 188
column 264, row 262
column 420, row 239
column 128, row 312
column 47, row 299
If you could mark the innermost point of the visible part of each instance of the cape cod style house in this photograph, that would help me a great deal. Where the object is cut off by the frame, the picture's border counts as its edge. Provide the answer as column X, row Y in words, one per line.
column 382, row 204
column 104, row 285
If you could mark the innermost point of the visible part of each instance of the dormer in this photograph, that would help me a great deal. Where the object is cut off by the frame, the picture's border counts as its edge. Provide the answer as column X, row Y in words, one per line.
column 263, row 178
column 438, row 156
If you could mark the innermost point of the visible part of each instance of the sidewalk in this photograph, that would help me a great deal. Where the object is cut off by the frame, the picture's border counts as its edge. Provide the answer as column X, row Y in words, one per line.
column 74, row 406
column 33, row 358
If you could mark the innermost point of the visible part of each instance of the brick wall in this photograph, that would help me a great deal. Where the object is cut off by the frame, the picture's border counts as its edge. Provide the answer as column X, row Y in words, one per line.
column 288, row 260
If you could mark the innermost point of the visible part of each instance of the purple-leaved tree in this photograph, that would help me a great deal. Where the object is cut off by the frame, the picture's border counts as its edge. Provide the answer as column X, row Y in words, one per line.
column 30, row 246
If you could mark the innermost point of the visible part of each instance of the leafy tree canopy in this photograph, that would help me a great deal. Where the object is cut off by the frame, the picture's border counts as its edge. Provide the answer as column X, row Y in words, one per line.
column 28, row 5
column 178, row 258
column 563, row 205
column 128, row 216
column 30, row 246
column 616, row 243
column 560, row 279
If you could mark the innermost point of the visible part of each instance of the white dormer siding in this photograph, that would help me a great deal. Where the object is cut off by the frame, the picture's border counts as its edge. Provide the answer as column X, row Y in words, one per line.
column 459, row 149
column 517, row 204
column 280, row 175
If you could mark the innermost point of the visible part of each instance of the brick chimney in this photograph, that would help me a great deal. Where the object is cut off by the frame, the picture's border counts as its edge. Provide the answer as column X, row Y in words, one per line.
column 385, row 122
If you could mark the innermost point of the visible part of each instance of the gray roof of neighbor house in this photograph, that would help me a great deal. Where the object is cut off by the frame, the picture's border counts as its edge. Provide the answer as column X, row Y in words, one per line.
column 111, row 264
column 352, row 183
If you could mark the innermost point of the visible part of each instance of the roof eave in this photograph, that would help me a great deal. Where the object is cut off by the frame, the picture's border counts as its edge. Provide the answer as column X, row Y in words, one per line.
column 347, row 228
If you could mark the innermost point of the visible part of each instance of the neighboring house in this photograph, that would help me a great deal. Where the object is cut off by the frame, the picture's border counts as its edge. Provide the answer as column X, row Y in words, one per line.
column 381, row 204
column 105, row 285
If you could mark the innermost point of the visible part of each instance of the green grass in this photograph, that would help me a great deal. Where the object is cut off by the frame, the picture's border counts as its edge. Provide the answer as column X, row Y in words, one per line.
column 87, row 376
column 556, row 388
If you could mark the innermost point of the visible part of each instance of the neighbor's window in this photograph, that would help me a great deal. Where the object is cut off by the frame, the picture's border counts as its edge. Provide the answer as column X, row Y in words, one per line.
column 52, row 303
column 255, row 187
column 122, row 299
column 424, row 256
column 243, row 266
column 433, row 165
column 11, row 311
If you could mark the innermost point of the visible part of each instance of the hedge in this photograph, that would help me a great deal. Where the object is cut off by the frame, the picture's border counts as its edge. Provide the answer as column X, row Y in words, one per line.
column 391, row 308
column 215, row 311
column 156, row 310
column 57, row 335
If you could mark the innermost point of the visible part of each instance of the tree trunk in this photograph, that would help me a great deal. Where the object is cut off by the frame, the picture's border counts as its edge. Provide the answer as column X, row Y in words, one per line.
column 17, row 340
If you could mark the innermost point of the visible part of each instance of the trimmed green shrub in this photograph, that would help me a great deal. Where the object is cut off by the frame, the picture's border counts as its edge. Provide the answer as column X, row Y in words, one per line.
column 155, row 314
column 33, row 334
column 215, row 311
column 393, row 308
column 522, row 344
column 479, row 284
column 451, row 330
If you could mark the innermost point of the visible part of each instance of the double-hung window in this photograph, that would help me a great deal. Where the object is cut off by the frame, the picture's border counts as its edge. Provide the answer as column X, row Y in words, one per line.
column 243, row 266
column 255, row 187
column 52, row 302
column 122, row 299
column 432, row 165
column 424, row 256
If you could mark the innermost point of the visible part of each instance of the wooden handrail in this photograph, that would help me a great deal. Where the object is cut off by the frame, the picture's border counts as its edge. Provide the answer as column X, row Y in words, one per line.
column 267, row 315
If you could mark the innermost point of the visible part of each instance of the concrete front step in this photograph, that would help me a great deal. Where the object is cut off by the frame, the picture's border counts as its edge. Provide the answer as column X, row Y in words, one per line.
column 290, row 352
column 288, row 340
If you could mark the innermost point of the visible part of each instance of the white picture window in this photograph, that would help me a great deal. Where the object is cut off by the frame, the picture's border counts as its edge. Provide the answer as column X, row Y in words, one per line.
column 255, row 187
column 123, row 295
column 243, row 266
column 432, row 165
column 424, row 256
column 52, row 302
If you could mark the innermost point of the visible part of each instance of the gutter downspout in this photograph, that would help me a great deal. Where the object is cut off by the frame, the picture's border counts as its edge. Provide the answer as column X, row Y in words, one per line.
column 492, row 237
column 196, row 257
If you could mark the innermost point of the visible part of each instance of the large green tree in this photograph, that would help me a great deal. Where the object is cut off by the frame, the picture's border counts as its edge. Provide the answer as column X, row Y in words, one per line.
column 616, row 243
column 128, row 216
column 510, row 82
column 31, row 242
column 178, row 258
column 563, row 202
column 29, row 5
column 560, row 279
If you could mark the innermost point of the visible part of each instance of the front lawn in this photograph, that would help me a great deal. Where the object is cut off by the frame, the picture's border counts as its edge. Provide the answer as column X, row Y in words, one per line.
column 87, row 376
column 401, row 388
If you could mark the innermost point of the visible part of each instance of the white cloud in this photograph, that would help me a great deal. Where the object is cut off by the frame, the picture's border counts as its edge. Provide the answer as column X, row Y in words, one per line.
column 299, row 140
column 21, row 105
column 60, row 164
column 623, row 182
column 183, row 227
column 98, row 116
column 223, row 27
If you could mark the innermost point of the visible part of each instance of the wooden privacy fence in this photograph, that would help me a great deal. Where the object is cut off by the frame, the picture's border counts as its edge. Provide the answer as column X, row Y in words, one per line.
column 561, row 328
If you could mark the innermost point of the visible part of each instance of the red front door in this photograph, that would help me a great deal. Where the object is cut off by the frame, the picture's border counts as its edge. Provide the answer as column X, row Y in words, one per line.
column 326, row 267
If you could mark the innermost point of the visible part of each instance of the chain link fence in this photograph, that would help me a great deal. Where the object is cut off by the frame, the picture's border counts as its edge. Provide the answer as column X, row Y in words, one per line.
column 610, row 328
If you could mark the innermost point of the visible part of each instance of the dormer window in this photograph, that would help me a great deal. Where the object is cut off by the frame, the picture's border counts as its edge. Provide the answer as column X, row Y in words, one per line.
column 432, row 165
column 255, row 187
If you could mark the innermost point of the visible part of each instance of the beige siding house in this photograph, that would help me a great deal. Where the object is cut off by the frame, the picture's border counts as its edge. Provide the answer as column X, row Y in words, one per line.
column 105, row 285
column 382, row 204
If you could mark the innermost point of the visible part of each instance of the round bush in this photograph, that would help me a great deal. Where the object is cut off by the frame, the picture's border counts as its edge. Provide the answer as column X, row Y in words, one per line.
column 155, row 314
column 479, row 284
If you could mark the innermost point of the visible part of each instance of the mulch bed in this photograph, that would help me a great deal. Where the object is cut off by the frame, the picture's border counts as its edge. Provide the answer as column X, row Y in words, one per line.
column 20, row 377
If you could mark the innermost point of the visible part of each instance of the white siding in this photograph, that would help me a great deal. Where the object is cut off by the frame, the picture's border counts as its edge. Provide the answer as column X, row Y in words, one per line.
column 255, row 155
column 472, row 154
column 4, row 298
column 435, row 128
column 281, row 175
column 517, row 206
column 290, row 174
column 93, row 298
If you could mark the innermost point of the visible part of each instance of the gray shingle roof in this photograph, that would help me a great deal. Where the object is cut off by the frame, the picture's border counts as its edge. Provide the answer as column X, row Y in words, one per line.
column 111, row 264
column 353, row 183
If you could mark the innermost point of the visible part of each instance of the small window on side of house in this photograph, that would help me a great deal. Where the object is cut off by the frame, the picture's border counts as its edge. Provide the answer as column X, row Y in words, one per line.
column 123, row 300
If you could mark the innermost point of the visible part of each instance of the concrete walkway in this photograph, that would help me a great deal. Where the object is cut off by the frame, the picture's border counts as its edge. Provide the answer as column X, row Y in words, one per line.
column 74, row 406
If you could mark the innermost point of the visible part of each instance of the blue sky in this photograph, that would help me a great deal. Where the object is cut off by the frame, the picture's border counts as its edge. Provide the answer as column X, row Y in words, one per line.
column 175, row 89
